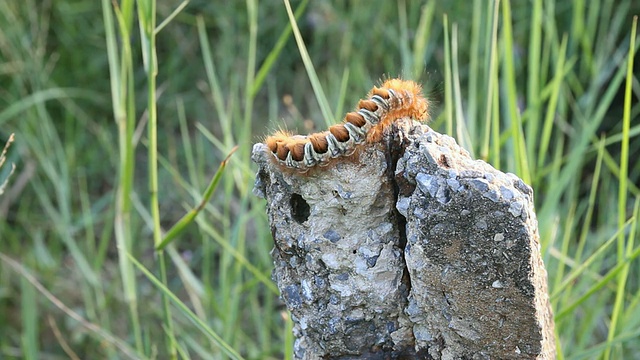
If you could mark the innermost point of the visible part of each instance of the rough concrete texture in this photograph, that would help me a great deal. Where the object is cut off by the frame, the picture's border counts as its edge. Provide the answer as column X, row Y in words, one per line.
column 410, row 249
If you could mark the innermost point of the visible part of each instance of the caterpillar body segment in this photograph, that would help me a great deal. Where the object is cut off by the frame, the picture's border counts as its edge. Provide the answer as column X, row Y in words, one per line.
column 393, row 100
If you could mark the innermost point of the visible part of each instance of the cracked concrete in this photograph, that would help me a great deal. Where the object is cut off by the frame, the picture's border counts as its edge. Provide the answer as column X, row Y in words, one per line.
column 409, row 249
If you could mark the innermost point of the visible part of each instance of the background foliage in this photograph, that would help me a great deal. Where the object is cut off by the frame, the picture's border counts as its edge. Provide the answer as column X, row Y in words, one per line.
column 122, row 112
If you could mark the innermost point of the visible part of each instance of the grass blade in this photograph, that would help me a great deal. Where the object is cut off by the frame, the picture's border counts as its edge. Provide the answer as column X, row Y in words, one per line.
column 622, row 197
column 188, row 218
column 226, row 348
column 271, row 58
column 311, row 72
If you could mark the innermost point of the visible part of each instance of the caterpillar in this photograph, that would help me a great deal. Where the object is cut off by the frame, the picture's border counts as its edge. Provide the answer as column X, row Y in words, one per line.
column 394, row 99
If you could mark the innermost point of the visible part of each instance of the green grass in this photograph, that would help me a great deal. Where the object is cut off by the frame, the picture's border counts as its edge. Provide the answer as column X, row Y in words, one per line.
column 123, row 236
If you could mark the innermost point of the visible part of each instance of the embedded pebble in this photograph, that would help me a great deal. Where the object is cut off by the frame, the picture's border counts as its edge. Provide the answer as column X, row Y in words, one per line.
column 344, row 194
column 516, row 208
column 292, row 296
column 332, row 236
column 258, row 188
column 507, row 193
column 403, row 205
column 443, row 196
column 480, row 184
column 481, row 224
column 371, row 261
column 420, row 213
column 422, row 333
column 492, row 195
column 427, row 184
column 429, row 137
column 319, row 281
column 454, row 185
column 520, row 185
column 306, row 290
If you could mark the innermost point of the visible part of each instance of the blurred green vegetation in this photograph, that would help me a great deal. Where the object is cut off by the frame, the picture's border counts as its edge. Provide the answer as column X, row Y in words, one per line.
column 545, row 89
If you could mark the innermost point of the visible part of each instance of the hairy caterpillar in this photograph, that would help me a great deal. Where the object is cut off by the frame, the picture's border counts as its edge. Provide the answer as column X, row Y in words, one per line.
column 394, row 99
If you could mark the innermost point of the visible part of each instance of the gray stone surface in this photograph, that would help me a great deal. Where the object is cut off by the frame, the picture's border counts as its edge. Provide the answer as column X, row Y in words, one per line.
column 409, row 249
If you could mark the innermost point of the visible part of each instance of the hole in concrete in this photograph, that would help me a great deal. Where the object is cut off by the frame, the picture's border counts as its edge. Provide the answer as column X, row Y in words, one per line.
column 300, row 210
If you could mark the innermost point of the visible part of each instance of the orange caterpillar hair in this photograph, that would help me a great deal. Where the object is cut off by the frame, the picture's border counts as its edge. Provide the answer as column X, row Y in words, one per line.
column 393, row 100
